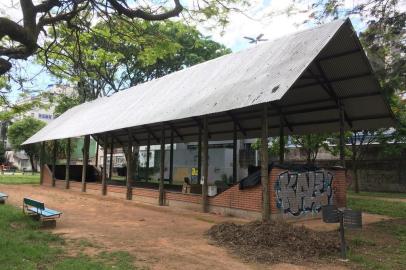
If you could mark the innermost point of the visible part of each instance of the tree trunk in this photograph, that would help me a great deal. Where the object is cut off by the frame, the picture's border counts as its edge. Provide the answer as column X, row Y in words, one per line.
column 309, row 157
column 356, row 178
column 33, row 167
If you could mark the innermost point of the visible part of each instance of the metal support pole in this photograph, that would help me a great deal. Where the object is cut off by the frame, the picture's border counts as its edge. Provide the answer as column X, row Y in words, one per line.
column 342, row 142
column 342, row 237
column 148, row 157
column 235, row 154
column 199, row 156
column 130, row 167
column 67, row 175
column 162, row 167
column 171, row 160
column 205, row 165
column 42, row 162
column 111, row 157
column 281, row 141
column 85, row 161
column 54, row 152
column 264, row 165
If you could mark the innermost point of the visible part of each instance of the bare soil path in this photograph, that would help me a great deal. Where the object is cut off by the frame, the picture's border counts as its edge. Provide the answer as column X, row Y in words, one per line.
column 158, row 237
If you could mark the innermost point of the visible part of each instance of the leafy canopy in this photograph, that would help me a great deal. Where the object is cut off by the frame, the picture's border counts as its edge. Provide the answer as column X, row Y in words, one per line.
column 119, row 54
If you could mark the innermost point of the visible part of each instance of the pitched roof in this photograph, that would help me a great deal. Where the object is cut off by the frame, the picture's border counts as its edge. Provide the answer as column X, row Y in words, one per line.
column 301, row 76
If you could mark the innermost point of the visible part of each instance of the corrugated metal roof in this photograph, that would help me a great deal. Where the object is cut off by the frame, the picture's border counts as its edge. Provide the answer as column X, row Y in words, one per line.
column 281, row 71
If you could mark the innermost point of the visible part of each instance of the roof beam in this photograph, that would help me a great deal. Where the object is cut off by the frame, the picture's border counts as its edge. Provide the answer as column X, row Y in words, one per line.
column 337, row 55
column 132, row 136
column 279, row 110
column 148, row 129
column 175, row 130
column 330, row 90
column 200, row 124
column 237, row 123
column 341, row 79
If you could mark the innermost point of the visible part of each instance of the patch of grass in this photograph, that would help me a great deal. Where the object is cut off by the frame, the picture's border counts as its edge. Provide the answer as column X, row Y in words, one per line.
column 365, row 262
column 379, row 246
column 24, row 246
column 392, row 209
column 361, row 242
column 19, row 178
column 393, row 195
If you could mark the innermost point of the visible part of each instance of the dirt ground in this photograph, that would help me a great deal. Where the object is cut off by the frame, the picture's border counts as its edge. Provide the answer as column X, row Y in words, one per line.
column 158, row 237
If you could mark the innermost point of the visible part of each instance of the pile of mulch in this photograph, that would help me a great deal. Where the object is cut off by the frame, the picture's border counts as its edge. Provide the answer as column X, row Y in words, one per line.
column 274, row 242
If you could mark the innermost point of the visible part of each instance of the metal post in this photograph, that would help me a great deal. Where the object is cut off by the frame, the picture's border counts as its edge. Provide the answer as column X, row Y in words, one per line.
column 205, row 165
column 85, row 161
column 162, row 167
column 199, row 156
column 235, row 154
column 111, row 157
column 42, row 162
column 264, row 165
column 281, row 141
column 148, row 156
column 54, row 152
column 67, row 176
column 130, row 167
column 171, row 160
column 342, row 143
column 342, row 236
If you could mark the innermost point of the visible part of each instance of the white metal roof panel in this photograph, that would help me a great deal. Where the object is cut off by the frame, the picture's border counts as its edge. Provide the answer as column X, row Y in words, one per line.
column 238, row 81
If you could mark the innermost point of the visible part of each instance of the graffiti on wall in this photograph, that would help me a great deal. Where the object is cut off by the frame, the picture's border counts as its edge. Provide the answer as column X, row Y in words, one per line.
column 301, row 192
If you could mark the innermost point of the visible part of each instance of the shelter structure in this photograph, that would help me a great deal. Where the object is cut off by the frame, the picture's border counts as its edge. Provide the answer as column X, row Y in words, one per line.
column 313, row 81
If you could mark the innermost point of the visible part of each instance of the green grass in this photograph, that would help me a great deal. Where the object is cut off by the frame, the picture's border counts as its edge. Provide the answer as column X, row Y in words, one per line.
column 24, row 246
column 381, row 245
column 392, row 195
column 19, row 178
column 381, row 207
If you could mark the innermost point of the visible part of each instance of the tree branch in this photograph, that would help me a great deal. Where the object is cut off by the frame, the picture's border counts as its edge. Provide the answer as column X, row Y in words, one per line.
column 139, row 13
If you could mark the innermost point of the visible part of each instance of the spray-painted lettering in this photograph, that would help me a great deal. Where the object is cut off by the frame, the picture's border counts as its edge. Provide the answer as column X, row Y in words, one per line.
column 301, row 192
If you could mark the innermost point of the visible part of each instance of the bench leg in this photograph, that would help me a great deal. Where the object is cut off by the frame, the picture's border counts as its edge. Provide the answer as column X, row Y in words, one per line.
column 2, row 201
column 48, row 223
column 35, row 217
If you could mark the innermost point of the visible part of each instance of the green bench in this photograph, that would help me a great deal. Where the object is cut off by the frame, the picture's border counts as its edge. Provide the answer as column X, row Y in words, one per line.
column 3, row 197
column 40, row 212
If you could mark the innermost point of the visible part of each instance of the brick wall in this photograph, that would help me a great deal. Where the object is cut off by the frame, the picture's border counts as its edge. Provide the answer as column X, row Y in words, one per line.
column 249, row 199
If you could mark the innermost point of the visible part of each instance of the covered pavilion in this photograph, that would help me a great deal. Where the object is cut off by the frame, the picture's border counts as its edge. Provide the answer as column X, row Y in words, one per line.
column 313, row 81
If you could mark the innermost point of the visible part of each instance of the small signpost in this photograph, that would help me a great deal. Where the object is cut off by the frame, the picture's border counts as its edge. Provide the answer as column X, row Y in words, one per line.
column 347, row 218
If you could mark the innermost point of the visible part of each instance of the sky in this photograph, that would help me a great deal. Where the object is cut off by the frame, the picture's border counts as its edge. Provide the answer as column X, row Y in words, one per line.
column 273, row 18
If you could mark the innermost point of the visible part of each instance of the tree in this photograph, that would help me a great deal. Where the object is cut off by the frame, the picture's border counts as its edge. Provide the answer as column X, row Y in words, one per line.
column 19, row 40
column 20, row 131
column 384, row 41
column 310, row 144
column 126, row 54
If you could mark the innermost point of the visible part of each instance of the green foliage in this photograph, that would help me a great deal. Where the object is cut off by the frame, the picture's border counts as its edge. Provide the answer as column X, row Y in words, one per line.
column 273, row 145
column 127, row 53
column 20, row 131
column 2, row 153
column 64, row 103
column 311, row 144
column 23, row 129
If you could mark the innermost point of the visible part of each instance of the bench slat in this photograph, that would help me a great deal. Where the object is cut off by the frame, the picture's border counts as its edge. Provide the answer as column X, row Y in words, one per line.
column 45, row 213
